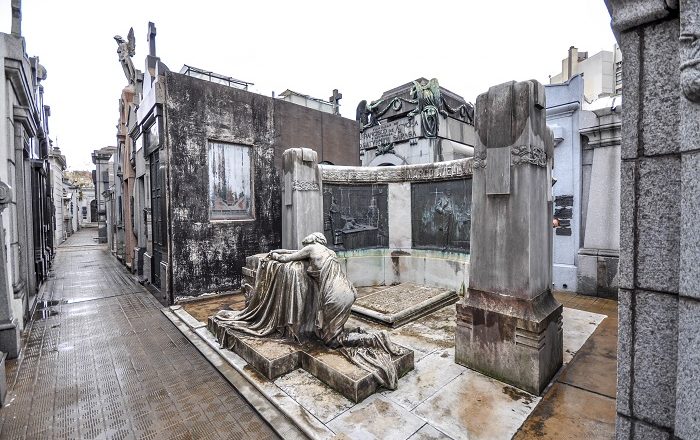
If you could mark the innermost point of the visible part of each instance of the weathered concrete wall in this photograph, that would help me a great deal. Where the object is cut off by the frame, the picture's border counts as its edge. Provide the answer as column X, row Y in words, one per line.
column 658, row 391
column 385, row 267
column 207, row 256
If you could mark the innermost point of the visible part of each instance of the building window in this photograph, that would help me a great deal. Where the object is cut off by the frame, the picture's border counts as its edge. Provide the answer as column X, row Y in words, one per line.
column 151, row 136
column 230, row 182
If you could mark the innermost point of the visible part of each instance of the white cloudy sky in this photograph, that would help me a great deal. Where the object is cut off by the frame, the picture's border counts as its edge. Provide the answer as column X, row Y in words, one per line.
column 360, row 47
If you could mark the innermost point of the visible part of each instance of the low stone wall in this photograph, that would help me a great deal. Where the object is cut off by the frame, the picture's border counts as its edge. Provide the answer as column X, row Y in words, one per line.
column 376, row 267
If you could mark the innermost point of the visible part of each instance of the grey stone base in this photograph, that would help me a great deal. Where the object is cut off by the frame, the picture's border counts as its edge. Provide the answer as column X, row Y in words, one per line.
column 273, row 358
column 513, row 340
column 597, row 272
column 403, row 303
column 9, row 339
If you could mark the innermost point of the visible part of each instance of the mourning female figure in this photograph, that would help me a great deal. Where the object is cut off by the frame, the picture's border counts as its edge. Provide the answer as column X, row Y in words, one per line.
column 304, row 295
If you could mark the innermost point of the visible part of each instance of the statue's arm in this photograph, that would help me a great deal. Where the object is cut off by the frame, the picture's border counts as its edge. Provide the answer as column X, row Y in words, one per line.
column 302, row 254
column 282, row 251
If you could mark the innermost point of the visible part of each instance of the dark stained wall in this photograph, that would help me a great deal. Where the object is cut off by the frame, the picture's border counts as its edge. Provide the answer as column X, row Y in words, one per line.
column 335, row 139
column 208, row 256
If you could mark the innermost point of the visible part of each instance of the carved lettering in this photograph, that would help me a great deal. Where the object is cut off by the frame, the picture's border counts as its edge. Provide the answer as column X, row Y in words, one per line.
column 388, row 133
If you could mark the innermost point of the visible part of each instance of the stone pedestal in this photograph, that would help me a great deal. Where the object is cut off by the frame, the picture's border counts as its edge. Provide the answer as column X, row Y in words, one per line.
column 509, row 325
column 302, row 203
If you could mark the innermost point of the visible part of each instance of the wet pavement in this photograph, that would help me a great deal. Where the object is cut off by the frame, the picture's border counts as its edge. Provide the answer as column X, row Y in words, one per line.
column 99, row 360
column 580, row 404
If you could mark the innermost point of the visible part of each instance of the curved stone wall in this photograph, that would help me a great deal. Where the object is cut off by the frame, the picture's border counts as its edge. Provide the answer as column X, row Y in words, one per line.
column 418, row 240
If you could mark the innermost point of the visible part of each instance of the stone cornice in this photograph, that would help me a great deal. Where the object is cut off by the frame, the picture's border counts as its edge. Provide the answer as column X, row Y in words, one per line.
column 15, row 73
column 23, row 115
column 449, row 170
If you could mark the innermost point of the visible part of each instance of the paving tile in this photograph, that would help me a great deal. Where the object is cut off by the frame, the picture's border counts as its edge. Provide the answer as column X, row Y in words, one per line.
column 474, row 406
column 100, row 361
column 318, row 398
column 429, row 375
column 435, row 331
column 570, row 413
column 578, row 326
column 427, row 432
column 595, row 363
column 376, row 417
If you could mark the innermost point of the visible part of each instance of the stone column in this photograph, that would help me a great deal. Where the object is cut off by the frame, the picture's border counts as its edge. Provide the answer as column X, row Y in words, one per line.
column 9, row 327
column 509, row 324
column 658, row 390
column 302, row 202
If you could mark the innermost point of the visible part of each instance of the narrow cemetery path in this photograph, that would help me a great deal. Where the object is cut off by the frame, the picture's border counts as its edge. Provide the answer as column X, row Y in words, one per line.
column 99, row 360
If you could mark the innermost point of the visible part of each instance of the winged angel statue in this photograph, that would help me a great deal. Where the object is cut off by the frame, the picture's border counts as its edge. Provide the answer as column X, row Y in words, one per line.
column 429, row 106
column 127, row 49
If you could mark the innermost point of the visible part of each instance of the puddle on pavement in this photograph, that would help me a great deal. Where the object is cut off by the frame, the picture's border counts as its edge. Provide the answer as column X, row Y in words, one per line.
column 45, row 308
column 45, row 304
column 40, row 314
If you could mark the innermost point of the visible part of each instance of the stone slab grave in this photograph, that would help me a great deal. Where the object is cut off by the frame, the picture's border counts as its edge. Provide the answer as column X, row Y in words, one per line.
column 402, row 303
column 275, row 357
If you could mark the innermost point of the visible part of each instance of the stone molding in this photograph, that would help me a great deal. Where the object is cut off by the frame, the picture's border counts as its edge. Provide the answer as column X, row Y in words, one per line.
column 304, row 185
column 520, row 155
column 628, row 14
column 525, row 154
column 449, row 170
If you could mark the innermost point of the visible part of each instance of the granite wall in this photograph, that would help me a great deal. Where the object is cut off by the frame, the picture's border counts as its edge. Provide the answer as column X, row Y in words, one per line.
column 206, row 255
column 658, row 392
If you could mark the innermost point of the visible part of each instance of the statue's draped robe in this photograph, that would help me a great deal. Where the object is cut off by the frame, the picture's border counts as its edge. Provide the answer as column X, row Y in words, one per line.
column 288, row 303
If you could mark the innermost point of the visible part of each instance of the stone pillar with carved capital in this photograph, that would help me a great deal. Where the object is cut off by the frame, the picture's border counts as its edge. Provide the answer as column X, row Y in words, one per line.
column 9, row 328
column 509, row 324
column 302, row 200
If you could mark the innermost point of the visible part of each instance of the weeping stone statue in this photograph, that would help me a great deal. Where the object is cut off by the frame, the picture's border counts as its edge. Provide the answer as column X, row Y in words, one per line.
column 304, row 295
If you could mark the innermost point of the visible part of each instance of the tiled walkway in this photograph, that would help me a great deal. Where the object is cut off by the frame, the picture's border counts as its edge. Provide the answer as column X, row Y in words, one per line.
column 101, row 361
column 580, row 405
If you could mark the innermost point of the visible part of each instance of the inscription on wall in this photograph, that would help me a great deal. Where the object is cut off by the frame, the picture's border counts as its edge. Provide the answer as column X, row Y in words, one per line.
column 441, row 215
column 388, row 133
column 355, row 216
column 563, row 210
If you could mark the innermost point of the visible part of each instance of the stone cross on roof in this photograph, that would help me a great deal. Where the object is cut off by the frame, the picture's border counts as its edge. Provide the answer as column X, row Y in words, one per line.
column 335, row 100
column 16, row 18
column 151, row 39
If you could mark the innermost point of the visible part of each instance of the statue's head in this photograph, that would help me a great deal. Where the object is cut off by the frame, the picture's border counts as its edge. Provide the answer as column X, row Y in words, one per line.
column 316, row 237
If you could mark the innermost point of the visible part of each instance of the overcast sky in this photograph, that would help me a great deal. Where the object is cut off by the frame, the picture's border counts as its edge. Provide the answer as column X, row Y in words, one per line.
column 361, row 48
